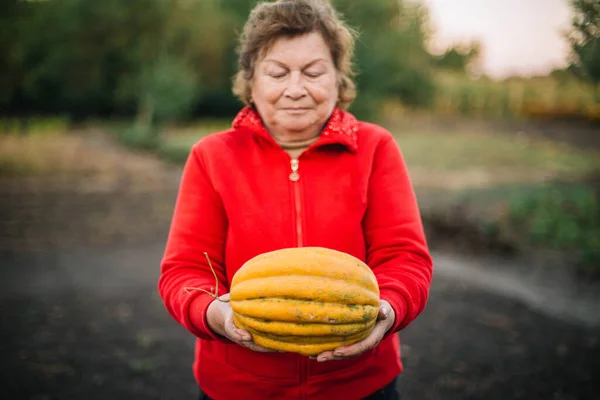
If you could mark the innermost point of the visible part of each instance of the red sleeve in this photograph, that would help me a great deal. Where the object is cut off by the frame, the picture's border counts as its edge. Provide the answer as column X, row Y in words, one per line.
column 396, row 246
column 199, row 225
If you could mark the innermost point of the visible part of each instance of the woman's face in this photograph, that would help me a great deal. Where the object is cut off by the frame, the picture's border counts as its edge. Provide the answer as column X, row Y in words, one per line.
column 295, row 86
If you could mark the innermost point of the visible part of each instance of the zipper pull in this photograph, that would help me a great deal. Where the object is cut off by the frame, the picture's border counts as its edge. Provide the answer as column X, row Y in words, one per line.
column 294, row 176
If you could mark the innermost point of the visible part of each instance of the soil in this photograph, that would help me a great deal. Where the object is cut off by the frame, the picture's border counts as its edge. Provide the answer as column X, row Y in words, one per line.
column 80, row 317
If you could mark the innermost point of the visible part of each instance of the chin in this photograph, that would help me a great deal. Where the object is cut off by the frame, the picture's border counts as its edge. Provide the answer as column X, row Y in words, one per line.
column 296, row 123
column 294, row 127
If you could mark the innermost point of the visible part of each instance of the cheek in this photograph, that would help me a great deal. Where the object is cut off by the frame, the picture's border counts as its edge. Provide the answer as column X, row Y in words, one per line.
column 265, row 91
column 325, row 92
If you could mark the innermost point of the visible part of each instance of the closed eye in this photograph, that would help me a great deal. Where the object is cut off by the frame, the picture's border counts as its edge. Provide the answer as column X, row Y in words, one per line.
column 312, row 74
column 277, row 74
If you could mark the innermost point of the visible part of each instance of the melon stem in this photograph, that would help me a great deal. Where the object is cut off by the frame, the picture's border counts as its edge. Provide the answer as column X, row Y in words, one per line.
column 214, row 295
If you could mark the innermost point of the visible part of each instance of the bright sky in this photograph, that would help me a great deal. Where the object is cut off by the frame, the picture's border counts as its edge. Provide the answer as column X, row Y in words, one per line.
column 518, row 36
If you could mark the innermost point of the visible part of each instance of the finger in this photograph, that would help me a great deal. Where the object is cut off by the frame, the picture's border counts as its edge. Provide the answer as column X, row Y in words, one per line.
column 366, row 344
column 255, row 347
column 235, row 333
column 241, row 333
column 325, row 356
column 355, row 349
column 244, row 334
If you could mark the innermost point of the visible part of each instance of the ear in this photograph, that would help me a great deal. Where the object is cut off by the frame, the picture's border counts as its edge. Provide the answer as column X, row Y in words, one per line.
column 346, row 91
column 249, row 93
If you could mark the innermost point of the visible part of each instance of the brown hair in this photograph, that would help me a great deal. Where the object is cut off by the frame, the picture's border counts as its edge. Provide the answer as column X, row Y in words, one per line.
column 269, row 21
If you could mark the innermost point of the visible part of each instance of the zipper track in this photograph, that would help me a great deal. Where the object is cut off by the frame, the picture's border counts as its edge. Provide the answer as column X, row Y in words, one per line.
column 297, row 200
column 298, row 206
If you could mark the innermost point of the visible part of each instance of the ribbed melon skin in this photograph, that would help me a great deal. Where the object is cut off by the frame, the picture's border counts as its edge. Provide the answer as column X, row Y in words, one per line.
column 305, row 300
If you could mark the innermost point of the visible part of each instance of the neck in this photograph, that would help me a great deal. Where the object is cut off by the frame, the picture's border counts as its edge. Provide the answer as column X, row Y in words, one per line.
column 295, row 143
column 295, row 137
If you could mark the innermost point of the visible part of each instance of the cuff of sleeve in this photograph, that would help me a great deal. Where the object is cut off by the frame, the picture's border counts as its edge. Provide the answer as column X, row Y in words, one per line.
column 399, row 306
column 198, row 308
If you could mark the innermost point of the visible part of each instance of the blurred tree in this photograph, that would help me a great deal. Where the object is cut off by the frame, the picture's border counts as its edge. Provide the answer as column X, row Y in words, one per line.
column 161, row 58
column 459, row 57
column 92, row 56
column 391, row 56
column 165, row 92
column 585, row 38
column 10, row 47
column 222, row 21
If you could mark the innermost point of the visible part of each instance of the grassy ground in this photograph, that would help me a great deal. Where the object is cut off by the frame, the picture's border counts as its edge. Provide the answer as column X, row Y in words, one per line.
column 457, row 160
column 36, row 154
column 498, row 188
column 505, row 189
column 510, row 191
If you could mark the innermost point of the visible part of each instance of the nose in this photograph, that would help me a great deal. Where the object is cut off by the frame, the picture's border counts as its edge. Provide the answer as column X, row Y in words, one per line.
column 295, row 88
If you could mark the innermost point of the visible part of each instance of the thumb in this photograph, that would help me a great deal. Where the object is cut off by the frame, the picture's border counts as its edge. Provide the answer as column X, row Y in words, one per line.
column 383, row 312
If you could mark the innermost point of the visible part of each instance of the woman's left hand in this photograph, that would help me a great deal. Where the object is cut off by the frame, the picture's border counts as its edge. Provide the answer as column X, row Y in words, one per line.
column 385, row 320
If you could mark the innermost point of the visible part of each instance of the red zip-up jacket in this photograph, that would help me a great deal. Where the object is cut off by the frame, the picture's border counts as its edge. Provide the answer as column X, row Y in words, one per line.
column 242, row 195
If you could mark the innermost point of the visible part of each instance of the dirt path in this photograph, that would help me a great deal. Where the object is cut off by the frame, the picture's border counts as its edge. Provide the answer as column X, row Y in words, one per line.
column 80, row 317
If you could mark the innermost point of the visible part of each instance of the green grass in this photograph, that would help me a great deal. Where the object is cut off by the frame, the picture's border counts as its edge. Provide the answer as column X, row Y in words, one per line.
column 560, row 216
column 177, row 141
column 176, row 150
column 517, row 190
column 35, row 154
column 464, row 160
column 34, row 125
column 557, row 216
column 172, row 143
column 198, row 128
column 473, row 155
column 525, row 193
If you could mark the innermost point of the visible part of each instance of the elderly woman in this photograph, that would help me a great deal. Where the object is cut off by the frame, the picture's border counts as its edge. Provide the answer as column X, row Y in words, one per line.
column 295, row 169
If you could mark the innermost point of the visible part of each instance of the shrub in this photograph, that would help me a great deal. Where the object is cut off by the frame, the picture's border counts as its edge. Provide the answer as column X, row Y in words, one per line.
column 140, row 137
column 563, row 218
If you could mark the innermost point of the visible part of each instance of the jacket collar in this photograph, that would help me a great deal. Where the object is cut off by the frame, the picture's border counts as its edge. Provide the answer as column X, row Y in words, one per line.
column 341, row 127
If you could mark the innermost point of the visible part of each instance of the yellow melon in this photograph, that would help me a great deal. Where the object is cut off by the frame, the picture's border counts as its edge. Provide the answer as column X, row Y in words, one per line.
column 305, row 300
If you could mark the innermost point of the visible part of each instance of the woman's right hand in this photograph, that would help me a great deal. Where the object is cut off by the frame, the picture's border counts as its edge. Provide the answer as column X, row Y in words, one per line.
column 219, row 316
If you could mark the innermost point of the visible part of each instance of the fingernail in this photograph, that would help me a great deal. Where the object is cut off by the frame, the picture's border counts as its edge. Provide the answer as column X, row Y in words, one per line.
column 322, row 359
column 384, row 311
column 338, row 353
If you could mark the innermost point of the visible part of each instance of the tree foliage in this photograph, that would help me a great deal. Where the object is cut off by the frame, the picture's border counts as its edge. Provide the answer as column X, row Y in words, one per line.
column 391, row 56
column 459, row 57
column 159, row 59
column 585, row 38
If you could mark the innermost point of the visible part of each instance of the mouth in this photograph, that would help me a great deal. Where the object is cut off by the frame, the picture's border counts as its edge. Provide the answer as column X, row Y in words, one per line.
column 296, row 110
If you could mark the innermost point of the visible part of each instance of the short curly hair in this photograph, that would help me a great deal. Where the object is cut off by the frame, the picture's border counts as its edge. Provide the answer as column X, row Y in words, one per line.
column 269, row 21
